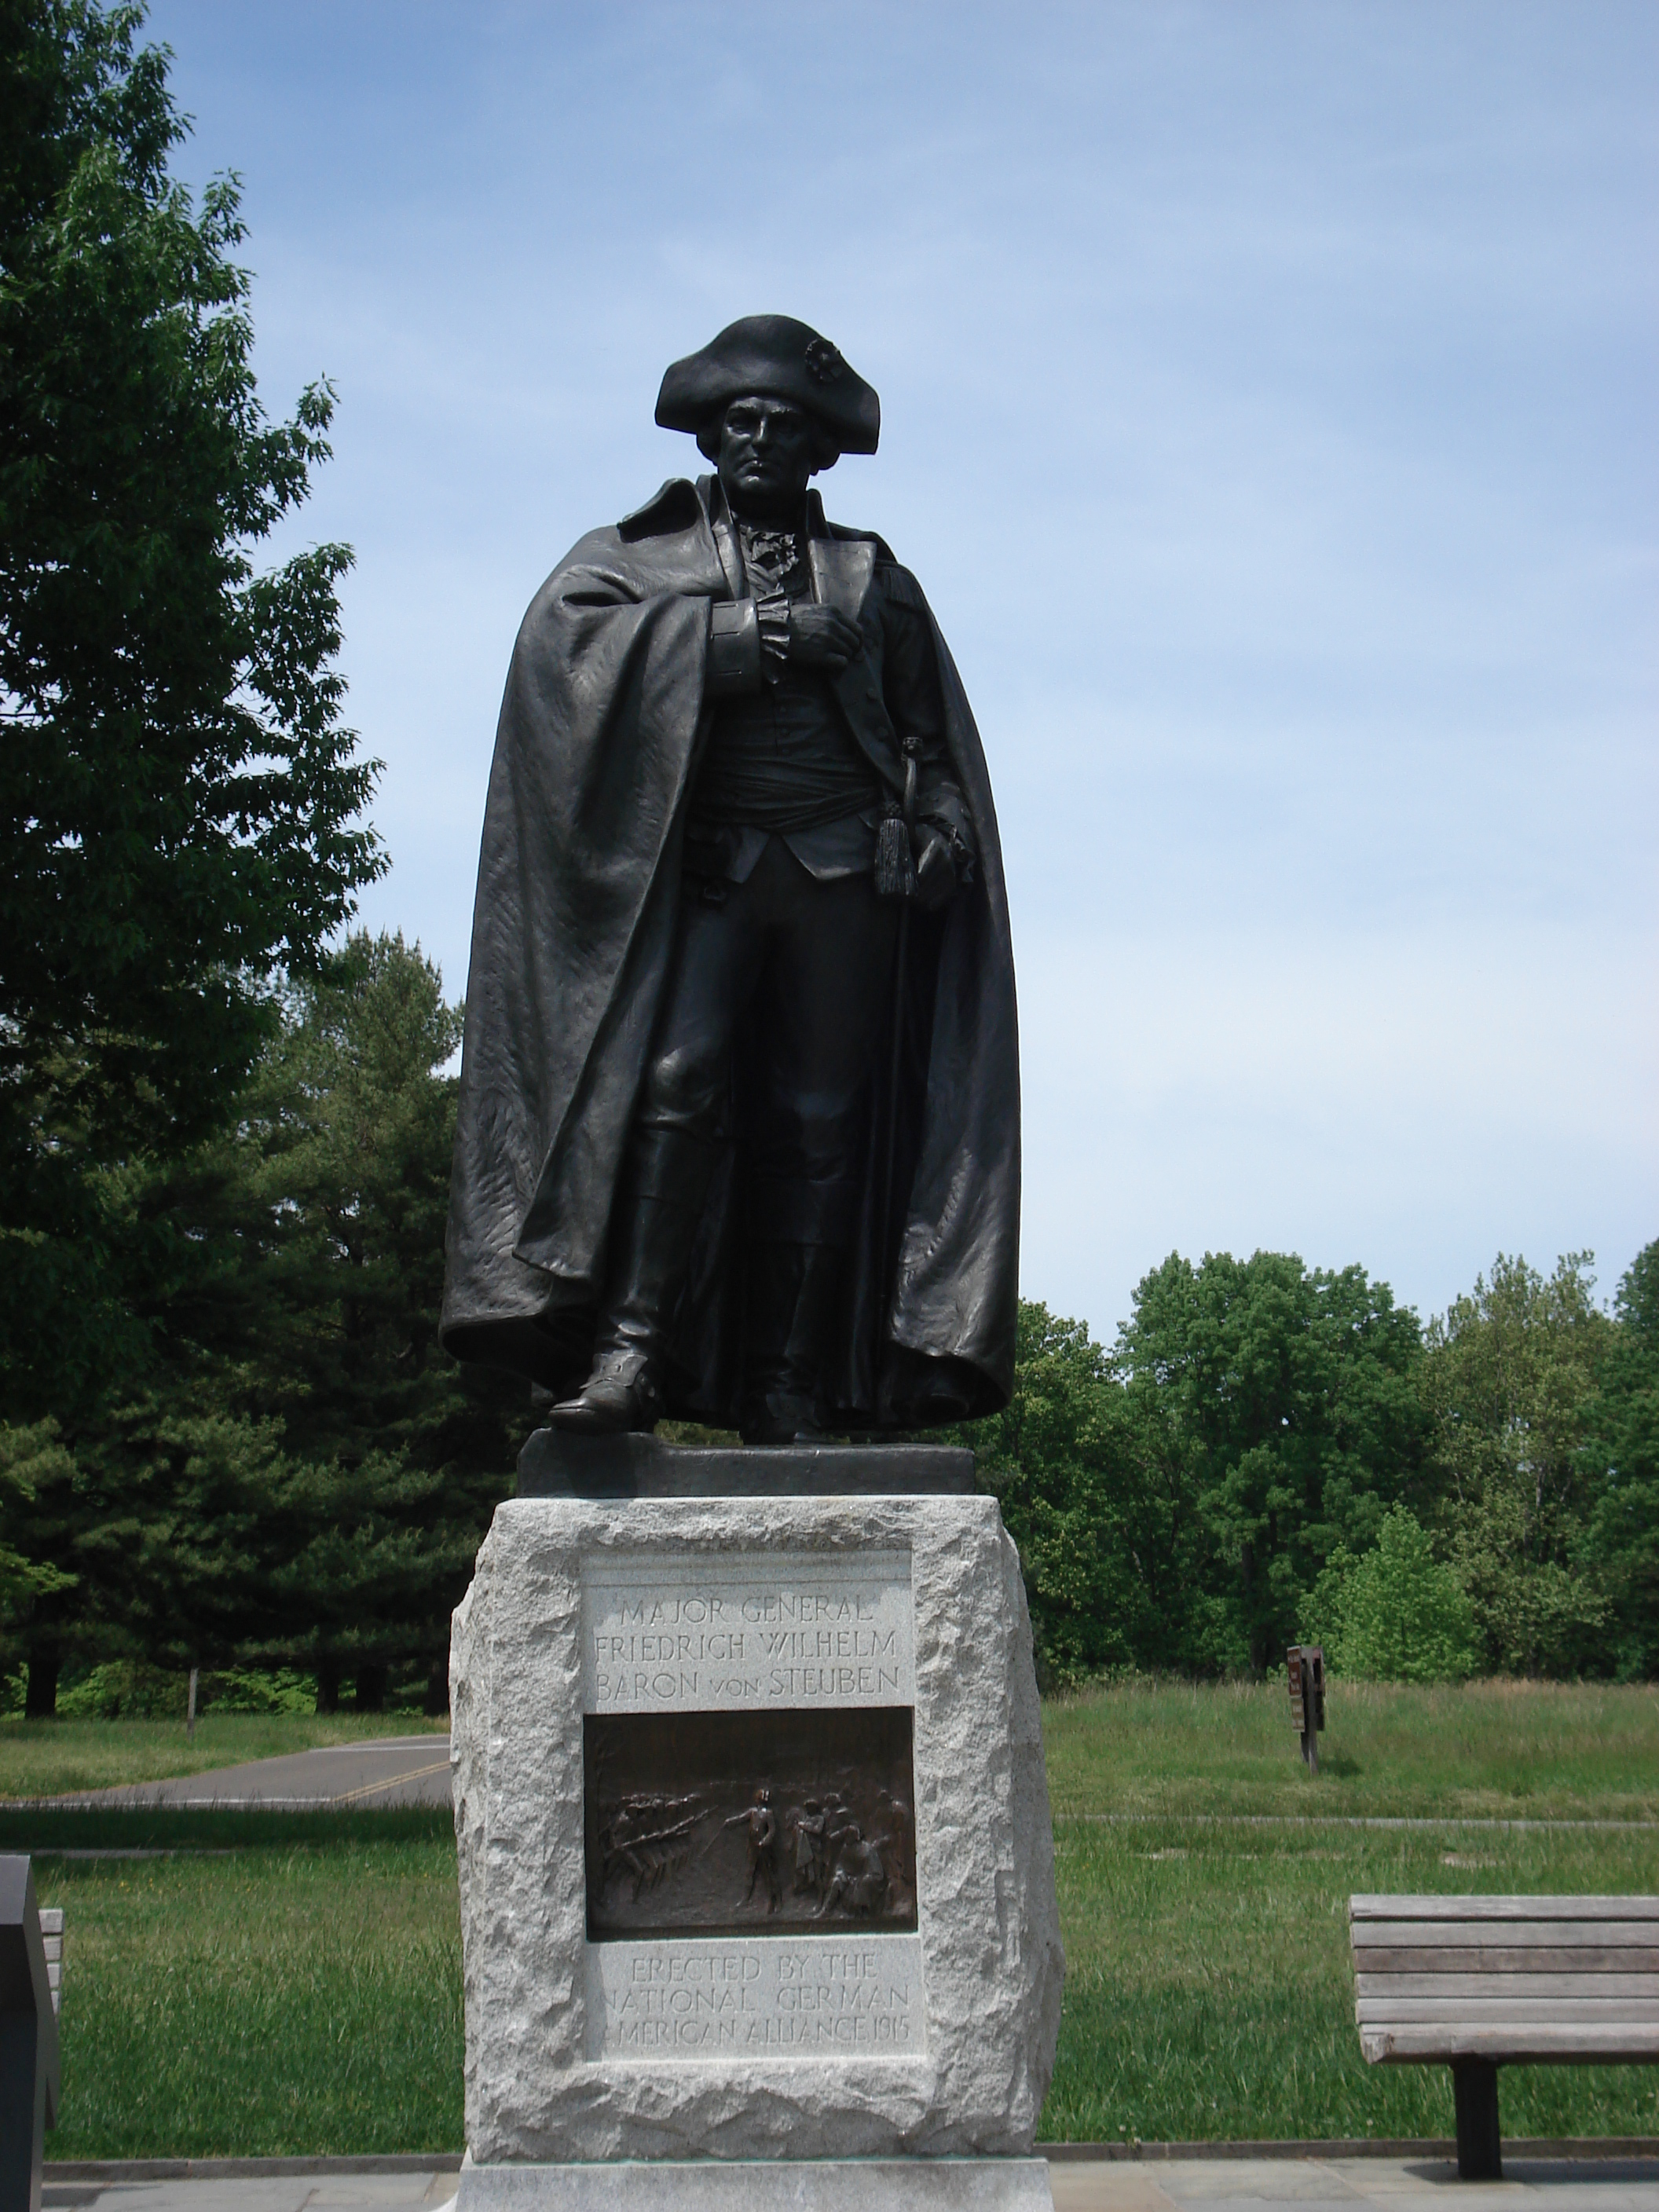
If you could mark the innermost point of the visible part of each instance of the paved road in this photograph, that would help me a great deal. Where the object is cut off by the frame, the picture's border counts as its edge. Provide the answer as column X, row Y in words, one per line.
column 395, row 1770
column 1232, row 2184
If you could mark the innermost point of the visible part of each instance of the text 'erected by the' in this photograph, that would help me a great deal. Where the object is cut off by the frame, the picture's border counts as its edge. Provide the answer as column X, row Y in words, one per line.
column 667, row 1999
column 747, row 1630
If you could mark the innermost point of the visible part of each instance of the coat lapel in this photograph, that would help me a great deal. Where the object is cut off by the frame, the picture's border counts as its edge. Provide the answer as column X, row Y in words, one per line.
column 841, row 571
column 713, row 499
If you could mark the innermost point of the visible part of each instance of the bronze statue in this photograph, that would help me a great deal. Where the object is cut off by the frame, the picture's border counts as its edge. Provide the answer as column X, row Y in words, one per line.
column 738, row 1134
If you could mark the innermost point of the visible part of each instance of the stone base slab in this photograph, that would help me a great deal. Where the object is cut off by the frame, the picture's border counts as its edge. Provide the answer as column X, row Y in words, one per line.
column 824, row 2184
column 553, row 1464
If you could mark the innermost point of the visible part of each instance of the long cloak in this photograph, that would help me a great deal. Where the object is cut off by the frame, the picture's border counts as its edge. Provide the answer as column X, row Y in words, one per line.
column 579, row 890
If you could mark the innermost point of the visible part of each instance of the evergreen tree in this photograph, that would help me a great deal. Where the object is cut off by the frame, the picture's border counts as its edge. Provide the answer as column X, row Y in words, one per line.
column 394, row 1458
column 302, row 1474
column 178, row 798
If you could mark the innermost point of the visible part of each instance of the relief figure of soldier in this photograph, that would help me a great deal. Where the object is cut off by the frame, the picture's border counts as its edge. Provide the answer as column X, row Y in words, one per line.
column 738, row 1134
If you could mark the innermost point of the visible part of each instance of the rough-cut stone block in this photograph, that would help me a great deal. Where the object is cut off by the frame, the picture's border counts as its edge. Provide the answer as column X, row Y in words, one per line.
column 915, row 2047
column 881, row 2184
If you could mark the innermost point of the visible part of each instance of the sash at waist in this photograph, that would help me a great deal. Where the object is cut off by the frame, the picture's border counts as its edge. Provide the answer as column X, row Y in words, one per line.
column 782, row 759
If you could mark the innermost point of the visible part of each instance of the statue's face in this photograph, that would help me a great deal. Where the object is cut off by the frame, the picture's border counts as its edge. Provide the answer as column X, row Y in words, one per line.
column 769, row 451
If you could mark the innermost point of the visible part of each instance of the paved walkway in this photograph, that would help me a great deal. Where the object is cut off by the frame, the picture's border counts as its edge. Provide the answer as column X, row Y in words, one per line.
column 300, row 2193
column 1229, row 2184
column 1338, row 1820
column 394, row 1769
column 1352, row 2184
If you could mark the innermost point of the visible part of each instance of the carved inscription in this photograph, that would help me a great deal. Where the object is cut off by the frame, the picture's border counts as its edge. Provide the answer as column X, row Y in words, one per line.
column 662, row 1633
column 860, row 1997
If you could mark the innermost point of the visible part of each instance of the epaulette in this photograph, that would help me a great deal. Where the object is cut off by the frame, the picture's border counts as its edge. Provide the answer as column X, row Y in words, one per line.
column 674, row 508
column 901, row 586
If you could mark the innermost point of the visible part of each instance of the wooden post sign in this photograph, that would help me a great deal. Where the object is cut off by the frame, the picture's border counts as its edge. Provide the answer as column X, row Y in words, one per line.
column 1307, row 1667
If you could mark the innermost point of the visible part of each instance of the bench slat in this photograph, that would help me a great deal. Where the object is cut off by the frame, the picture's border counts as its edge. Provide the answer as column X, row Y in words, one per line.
column 1504, row 1985
column 1373, row 1907
column 1504, row 1959
column 1519, row 2045
column 1557, row 1935
column 1377, row 2012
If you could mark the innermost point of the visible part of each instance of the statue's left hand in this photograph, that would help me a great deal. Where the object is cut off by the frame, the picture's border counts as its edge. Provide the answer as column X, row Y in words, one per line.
column 823, row 637
column 936, row 872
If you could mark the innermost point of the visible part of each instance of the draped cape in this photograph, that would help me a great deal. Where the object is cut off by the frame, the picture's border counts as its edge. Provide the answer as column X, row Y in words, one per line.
column 579, row 888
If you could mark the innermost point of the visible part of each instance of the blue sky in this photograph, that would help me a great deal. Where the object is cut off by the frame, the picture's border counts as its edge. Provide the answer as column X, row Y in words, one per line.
column 1267, row 410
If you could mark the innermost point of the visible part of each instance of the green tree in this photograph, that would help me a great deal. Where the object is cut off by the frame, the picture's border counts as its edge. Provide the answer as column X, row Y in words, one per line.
column 179, row 801
column 302, row 1474
column 1395, row 1613
column 1508, row 1380
column 27, row 1457
column 1053, row 1458
column 1280, row 1401
column 1621, row 1459
column 394, row 1457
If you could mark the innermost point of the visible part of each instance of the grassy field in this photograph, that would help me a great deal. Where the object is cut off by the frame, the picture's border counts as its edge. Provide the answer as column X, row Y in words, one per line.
column 55, row 1758
column 1209, row 1991
column 302, row 1992
column 1503, row 1750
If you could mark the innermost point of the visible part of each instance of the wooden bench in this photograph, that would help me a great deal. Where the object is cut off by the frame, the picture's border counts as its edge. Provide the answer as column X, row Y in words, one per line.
column 52, row 1938
column 1477, row 1983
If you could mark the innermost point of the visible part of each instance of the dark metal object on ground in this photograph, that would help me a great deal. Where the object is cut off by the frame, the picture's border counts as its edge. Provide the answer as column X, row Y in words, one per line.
column 553, row 1464
column 1307, row 1671
column 750, row 1823
column 28, row 2040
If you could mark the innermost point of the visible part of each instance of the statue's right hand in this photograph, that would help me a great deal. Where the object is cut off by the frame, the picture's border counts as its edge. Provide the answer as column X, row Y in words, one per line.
column 823, row 637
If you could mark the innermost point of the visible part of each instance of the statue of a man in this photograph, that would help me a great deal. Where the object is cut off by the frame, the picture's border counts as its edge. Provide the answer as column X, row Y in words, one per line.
column 738, row 1134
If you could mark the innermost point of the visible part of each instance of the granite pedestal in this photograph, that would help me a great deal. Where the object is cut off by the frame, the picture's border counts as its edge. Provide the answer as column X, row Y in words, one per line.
column 756, row 1873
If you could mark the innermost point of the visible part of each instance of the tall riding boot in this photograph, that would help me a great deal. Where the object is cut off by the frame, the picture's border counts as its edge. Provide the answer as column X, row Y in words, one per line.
column 654, row 1226
column 790, row 1317
column 799, row 1230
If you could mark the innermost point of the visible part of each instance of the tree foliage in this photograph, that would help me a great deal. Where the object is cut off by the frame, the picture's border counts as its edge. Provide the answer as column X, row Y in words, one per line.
column 304, row 1476
column 1507, row 1376
column 1620, row 1463
column 1269, row 1451
column 1174, row 1498
column 1279, row 1402
column 179, row 798
column 1050, row 1457
column 1395, row 1613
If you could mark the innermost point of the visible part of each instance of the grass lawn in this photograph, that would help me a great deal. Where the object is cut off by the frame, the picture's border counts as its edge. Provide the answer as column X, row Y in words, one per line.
column 1509, row 1750
column 1209, row 1991
column 55, row 1758
column 302, row 1992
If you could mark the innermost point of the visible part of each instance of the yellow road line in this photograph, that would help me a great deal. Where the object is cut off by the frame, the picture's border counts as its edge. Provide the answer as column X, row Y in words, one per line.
column 392, row 1781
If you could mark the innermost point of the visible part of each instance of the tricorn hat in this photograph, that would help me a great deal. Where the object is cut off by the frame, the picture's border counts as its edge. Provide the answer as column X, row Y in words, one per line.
column 776, row 356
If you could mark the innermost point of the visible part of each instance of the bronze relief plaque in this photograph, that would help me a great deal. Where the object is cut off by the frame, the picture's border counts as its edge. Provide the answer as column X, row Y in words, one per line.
column 756, row 1823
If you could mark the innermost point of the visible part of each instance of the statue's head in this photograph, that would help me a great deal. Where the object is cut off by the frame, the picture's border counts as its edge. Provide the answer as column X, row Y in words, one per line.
column 771, row 403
